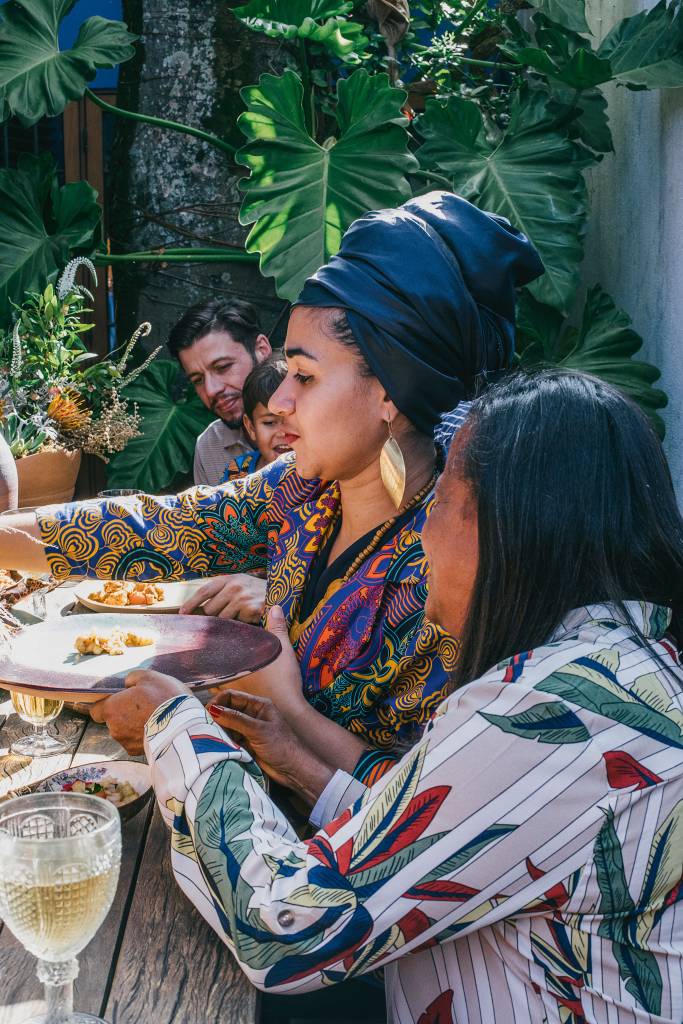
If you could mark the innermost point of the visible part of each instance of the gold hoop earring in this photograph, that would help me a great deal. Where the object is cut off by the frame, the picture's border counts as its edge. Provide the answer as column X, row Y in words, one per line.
column 392, row 468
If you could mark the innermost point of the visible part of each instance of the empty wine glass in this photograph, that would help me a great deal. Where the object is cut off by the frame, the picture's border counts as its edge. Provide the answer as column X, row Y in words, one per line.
column 38, row 712
column 59, row 864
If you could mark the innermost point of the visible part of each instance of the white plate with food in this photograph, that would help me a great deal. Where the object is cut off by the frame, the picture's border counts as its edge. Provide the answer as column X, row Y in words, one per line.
column 131, row 596
column 126, row 784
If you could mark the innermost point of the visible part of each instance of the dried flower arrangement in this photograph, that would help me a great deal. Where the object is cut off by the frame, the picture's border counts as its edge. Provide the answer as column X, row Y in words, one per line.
column 52, row 394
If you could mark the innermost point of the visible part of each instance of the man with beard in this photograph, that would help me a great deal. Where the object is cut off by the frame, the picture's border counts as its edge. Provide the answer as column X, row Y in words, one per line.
column 218, row 343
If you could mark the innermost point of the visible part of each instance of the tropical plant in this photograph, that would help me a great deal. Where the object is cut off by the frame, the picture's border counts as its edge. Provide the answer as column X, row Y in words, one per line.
column 514, row 116
column 171, row 417
column 322, row 187
column 603, row 343
column 52, row 394
column 22, row 436
column 41, row 227
column 37, row 77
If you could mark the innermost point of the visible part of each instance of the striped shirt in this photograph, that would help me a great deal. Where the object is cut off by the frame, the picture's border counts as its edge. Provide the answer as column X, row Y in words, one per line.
column 215, row 447
column 521, row 865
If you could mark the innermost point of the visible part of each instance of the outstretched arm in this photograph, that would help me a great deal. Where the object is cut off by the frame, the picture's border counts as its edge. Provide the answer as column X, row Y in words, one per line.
column 21, row 546
column 203, row 531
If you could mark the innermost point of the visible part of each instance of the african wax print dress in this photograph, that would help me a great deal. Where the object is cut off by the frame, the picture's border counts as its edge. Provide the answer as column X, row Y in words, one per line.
column 527, row 853
column 369, row 659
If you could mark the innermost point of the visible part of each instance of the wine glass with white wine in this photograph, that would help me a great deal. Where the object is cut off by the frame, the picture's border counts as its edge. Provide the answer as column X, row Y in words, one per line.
column 38, row 712
column 59, row 864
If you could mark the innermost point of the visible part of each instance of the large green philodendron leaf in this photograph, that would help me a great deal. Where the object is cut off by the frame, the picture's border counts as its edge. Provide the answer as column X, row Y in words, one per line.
column 37, row 79
column 170, row 427
column 320, row 21
column 591, row 125
column 603, row 345
column 41, row 227
column 564, row 56
column 571, row 69
column 568, row 13
column 302, row 196
column 646, row 51
column 531, row 174
column 583, row 70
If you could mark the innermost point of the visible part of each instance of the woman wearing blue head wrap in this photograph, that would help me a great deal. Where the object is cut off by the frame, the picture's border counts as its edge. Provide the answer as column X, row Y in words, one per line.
column 429, row 295
column 393, row 331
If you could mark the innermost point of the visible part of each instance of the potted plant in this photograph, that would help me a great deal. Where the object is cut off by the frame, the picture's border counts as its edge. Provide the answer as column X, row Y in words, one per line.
column 57, row 401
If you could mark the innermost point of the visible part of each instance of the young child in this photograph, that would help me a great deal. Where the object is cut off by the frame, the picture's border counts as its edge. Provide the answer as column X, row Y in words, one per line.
column 263, row 427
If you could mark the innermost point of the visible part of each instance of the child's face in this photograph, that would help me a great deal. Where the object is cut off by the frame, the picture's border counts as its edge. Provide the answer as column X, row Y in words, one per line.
column 267, row 432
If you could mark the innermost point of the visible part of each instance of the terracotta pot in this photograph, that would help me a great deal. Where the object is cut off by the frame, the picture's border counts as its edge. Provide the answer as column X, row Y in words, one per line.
column 47, row 477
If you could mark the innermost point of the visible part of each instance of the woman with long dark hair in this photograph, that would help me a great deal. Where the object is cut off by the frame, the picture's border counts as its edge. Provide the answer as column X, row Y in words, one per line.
column 527, row 852
column 396, row 329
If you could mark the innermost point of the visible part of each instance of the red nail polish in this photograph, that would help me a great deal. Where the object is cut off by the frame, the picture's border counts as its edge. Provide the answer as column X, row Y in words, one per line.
column 214, row 709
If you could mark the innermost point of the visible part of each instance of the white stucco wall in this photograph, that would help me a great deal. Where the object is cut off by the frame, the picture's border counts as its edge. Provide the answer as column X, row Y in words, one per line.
column 634, row 246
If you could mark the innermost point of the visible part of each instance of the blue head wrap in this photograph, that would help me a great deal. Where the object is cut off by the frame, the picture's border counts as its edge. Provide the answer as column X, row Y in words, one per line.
column 429, row 293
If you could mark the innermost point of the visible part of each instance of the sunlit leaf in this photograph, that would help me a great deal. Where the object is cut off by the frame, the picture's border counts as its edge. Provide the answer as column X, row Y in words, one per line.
column 531, row 174
column 320, row 21
column 301, row 195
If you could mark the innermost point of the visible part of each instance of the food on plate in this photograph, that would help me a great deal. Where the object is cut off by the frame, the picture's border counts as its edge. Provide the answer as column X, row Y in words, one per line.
column 115, row 641
column 120, row 594
column 97, row 642
column 133, row 639
column 114, row 790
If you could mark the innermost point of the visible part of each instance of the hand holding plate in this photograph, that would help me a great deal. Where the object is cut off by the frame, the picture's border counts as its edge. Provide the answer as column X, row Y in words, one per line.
column 125, row 713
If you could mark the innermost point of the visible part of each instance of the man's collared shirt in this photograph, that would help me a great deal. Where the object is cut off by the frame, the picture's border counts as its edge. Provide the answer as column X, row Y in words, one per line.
column 216, row 446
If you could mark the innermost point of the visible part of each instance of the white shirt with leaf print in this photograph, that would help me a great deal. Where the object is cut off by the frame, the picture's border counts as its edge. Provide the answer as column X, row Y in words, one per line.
column 523, row 863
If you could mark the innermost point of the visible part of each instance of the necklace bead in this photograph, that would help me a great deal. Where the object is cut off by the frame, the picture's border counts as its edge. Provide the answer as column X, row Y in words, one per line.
column 383, row 530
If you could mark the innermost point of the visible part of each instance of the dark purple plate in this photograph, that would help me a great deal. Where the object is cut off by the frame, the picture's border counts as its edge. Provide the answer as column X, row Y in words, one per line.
column 201, row 651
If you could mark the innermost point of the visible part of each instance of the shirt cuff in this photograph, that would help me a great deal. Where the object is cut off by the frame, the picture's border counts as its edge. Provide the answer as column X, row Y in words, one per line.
column 340, row 792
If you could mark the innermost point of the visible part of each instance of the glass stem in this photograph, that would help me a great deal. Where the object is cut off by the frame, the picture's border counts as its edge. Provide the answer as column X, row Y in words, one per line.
column 58, row 980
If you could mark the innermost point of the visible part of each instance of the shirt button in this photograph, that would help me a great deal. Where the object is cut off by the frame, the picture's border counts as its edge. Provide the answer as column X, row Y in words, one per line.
column 285, row 918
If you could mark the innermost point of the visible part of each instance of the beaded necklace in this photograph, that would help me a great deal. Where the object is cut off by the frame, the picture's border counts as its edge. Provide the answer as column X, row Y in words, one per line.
column 384, row 529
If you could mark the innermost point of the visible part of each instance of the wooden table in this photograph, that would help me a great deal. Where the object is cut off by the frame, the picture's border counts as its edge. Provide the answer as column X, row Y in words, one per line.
column 154, row 960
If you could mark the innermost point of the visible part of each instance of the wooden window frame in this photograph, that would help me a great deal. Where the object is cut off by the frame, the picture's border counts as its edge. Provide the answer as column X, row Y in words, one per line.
column 84, row 161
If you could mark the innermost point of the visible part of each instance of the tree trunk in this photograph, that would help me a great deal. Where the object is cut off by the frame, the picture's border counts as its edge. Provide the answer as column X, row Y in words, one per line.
column 170, row 189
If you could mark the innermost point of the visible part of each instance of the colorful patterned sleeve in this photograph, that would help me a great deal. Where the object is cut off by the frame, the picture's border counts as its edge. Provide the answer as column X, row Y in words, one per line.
column 399, row 689
column 201, row 532
column 372, row 765
column 443, row 845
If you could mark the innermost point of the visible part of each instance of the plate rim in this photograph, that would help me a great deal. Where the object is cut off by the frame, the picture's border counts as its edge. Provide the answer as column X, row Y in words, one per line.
column 100, row 764
column 98, row 606
column 140, row 800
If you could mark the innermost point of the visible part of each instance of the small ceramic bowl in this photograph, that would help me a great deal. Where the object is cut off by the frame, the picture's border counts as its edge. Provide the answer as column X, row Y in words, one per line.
column 133, row 772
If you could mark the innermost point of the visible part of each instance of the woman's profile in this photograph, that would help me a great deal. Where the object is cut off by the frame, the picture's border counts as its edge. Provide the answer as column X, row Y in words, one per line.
column 396, row 329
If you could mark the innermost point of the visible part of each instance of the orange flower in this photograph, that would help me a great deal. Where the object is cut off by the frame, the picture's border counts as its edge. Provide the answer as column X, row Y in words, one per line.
column 69, row 411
